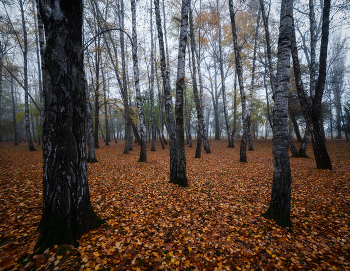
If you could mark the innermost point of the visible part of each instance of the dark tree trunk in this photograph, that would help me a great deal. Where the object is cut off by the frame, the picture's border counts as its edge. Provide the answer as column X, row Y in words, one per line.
column 13, row 110
column 279, row 209
column 90, row 132
column 25, row 64
column 199, row 110
column 312, row 109
column 168, row 99
column 304, row 143
column 67, row 211
column 1, row 61
column 296, row 126
column 243, row 149
column 179, row 104
column 97, row 93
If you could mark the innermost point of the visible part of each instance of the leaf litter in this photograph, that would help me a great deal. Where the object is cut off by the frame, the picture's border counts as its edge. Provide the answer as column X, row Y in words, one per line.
column 214, row 224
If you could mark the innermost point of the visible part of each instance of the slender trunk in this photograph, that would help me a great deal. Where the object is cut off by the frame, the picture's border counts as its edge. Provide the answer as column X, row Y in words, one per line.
column 160, row 139
column 143, row 152
column 199, row 110
column 168, row 98
column 279, row 209
column 25, row 66
column 295, row 125
column 90, row 132
column 105, row 108
column 243, row 149
column 97, row 91
column 292, row 147
column 312, row 108
column 153, row 147
column 304, row 143
column 13, row 111
column 249, row 107
column 124, row 86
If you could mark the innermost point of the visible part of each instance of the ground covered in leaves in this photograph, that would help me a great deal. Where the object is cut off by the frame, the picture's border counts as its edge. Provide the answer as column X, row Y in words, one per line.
column 214, row 224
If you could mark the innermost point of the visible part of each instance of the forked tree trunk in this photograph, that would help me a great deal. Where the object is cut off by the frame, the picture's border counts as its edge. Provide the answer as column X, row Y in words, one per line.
column 304, row 143
column 279, row 209
column 168, row 98
column 67, row 211
column 243, row 149
column 312, row 108
column 143, row 151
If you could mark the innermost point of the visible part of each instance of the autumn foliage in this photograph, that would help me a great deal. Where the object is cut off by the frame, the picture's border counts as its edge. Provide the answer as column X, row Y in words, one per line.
column 214, row 224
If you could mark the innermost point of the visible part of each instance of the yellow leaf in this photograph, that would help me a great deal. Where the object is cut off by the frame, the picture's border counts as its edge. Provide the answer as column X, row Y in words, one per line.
column 171, row 253
column 189, row 248
column 273, row 256
column 228, row 239
column 96, row 254
column 268, row 251
column 155, row 254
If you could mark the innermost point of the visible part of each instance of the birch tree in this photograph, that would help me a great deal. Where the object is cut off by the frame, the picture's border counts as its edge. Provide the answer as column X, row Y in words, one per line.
column 179, row 105
column 67, row 211
column 143, row 152
column 168, row 100
column 243, row 148
column 279, row 209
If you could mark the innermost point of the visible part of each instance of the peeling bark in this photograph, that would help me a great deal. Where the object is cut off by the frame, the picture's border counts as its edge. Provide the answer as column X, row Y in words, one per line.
column 143, row 152
column 67, row 211
column 280, row 203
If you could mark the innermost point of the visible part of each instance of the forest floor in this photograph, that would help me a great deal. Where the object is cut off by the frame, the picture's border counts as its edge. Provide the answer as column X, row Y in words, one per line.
column 214, row 224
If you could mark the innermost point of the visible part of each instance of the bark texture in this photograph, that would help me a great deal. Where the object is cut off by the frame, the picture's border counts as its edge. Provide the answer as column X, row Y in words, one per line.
column 243, row 149
column 312, row 107
column 181, row 178
column 143, row 151
column 67, row 211
column 279, row 209
column 168, row 100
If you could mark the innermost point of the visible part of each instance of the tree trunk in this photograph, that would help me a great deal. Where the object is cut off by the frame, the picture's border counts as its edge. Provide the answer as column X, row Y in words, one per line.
column 292, row 147
column 67, row 211
column 25, row 65
column 168, row 99
column 200, row 116
column 153, row 147
column 312, row 108
column 249, row 107
column 279, row 209
column 108, row 138
column 1, row 63
column 125, row 88
column 223, row 87
column 90, row 132
column 304, row 143
column 181, row 179
column 13, row 110
column 243, row 149
column 97, row 91
column 295, row 125
column 143, row 152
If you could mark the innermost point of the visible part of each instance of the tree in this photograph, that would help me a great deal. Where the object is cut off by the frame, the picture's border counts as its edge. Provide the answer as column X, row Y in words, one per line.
column 181, row 178
column 279, row 209
column 243, row 148
column 312, row 106
column 67, row 211
column 168, row 100
column 143, row 152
